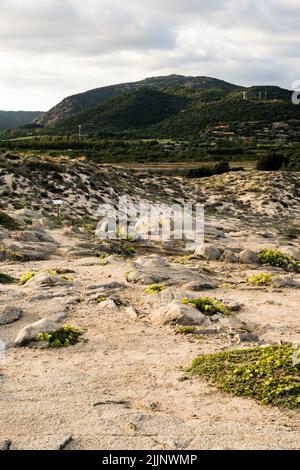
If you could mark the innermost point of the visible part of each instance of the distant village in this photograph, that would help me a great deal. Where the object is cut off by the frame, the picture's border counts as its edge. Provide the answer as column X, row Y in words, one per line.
column 255, row 130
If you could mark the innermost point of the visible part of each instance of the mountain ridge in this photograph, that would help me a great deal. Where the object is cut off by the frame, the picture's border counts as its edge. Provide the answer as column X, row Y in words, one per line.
column 91, row 98
column 14, row 119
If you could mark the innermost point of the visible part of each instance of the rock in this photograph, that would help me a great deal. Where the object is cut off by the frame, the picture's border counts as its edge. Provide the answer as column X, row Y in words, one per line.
column 22, row 215
column 71, row 231
column 109, row 286
column 9, row 314
column 248, row 257
column 209, row 252
column 234, row 325
column 44, row 237
column 197, row 286
column 152, row 261
column 175, row 312
column 234, row 306
column 109, row 303
column 64, row 443
column 45, row 280
column 140, row 277
column 290, row 251
column 284, row 281
column 291, row 268
column 229, row 257
column 6, row 444
column 131, row 312
column 246, row 338
column 30, row 332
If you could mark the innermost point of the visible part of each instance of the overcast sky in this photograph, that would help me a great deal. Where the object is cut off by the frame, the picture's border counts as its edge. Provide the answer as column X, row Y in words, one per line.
column 50, row 49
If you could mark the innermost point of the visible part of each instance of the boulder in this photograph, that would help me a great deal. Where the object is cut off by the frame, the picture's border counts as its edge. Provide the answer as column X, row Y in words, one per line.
column 141, row 277
column 248, row 257
column 209, row 252
column 290, row 251
column 109, row 304
column 177, row 312
column 9, row 314
column 152, row 261
column 30, row 332
column 197, row 286
column 246, row 338
column 284, row 281
column 229, row 257
column 45, row 280
column 132, row 313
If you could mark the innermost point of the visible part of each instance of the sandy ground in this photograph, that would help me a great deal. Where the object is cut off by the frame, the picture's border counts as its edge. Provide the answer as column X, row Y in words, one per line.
column 121, row 387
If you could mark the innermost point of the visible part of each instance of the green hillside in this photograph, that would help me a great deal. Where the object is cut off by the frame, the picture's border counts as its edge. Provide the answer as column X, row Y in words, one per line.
column 92, row 98
column 14, row 119
column 181, row 111
column 129, row 112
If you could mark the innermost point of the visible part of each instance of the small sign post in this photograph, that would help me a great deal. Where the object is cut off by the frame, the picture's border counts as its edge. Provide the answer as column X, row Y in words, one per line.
column 58, row 203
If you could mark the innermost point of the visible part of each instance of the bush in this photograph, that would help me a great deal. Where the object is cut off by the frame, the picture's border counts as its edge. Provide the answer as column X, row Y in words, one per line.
column 207, row 305
column 270, row 162
column 270, row 375
column 24, row 278
column 6, row 279
column 185, row 330
column 65, row 336
column 8, row 222
column 275, row 258
column 263, row 279
column 204, row 171
column 155, row 289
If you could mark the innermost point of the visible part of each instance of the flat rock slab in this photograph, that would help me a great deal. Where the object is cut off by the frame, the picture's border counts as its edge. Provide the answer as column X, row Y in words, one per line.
column 9, row 314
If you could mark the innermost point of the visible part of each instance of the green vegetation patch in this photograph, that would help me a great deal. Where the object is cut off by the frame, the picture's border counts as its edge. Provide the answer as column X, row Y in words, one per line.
column 262, row 279
column 276, row 258
column 185, row 330
column 8, row 222
column 270, row 375
column 25, row 277
column 7, row 279
column 65, row 336
column 155, row 289
column 208, row 305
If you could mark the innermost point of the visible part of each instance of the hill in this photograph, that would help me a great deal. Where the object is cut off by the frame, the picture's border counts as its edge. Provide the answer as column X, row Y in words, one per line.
column 90, row 99
column 14, row 119
column 179, row 112
column 127, row 113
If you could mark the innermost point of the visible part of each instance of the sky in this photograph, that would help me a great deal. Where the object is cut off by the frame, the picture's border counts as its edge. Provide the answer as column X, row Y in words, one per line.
column 50, row 49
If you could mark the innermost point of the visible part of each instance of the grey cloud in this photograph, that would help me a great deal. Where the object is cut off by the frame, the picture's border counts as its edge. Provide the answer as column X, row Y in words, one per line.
column 70, row 45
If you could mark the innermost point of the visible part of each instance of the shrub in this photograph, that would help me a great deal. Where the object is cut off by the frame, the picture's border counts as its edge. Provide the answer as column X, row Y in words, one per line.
column 270, row 162
column 207, row 305
column 65, row 336
column 6, row 279
column 275, row 258
column 24, row 278
column 263, row 279
column 185, row 330
column 155, row 289
column 270, row 375
column 102, row 299
column 204, row 171
column 8, row 222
